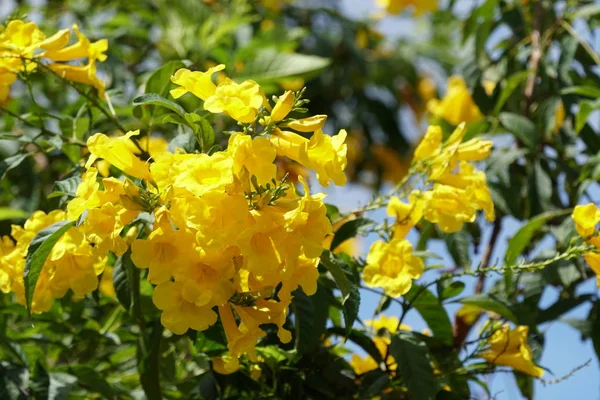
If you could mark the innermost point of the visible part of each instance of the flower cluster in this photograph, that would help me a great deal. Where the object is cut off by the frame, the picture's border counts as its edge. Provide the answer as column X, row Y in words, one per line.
column 227, row 239
column 509, row 347
column 457, row 191
column 23, row 46
column 72, row 263
column 586, row 218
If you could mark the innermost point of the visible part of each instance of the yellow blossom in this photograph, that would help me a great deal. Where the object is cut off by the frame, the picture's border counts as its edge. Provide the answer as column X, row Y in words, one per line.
column 586, row 218
column 117, row 151
column 397, row 6
column 307, row 125
column 256, row 156
column 446, row 206
column 283, row 107
column 407, row 214
column 196, row 82
column 392, row 266
column 458, row 105
column 509, row 347
column 240, row 101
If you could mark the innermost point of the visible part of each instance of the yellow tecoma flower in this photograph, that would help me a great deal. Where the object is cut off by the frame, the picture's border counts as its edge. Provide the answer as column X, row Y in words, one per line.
column 397, row 6
column 509, row 347
column 458, row 105
column 392, row 266
column 117, row 151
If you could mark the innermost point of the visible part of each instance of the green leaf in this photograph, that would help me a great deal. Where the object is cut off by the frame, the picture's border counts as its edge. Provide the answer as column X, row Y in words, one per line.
column 271, row 66
column 212, row 340
column 512, row 83
column 37, row 253
column 521, row 127
column 452, row 290
column 586, row 11
column 209, row 388
column 360, row 339
column 92, row 381
column 336, row 269
column 203, row 130
column 582, row 116
column 311, row 315
column 121, row 279
column 518, row 243
column 458, row 246
column 160, row 80
column 66, row 187
column 432, row 311
column 490, row 302
column 39, row 383
column 149, row 363
column 349, row 230
column 12, row 162
column 157, row 100
column 586, row 91
column 12, row 213
column 414, row 365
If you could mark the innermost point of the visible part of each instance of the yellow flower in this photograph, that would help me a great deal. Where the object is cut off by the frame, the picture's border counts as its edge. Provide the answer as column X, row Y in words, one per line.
column 392, row 324
column 407, row 214
column 163, row 249
column 307, row 125
column 240, row 101
column 560, row 117
column 221, row 365
column 117, row 151
column 283, row 107
column 426, row 89
column 430, row 144
column 586, row 218
column 198, row 83
column 419, row 6
column 179, row 315
column 458, row 105
column 106, row 283
column 86, row 195
column 292, row 84
column 82, row 49
column 256, row 156
column 593, row 260
column 392, row 267
column 509, row 347
column 446, row 206
column 85, row 74
column 322, row 153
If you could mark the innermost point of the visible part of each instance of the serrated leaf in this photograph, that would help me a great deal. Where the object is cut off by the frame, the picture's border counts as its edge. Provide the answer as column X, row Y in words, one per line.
column 522, row 238
column 490, row 302
column 311, row 313
column 157, row 100
column 120, row 278
column 38, row 251
column 335, row 268
column 66, row 187
column 521, row 127
column 414, row 365
column 349, row 230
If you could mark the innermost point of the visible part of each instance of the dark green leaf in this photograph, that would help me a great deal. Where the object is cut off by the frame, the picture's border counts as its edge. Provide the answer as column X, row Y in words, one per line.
column 311, row 318
column 362, row 340
column 458, row 245
column 522, row 128
column 336, row 269
column 349, row 230
column 37, row 253
column 205, row 134
column 414, row 365
column 39, row 383
column 489, row 302
column 209, row 389
column 432, row 312
column 452, row 290
column 121, row 279
column 160, row 80
column 148, row 366
column 512, row 83
column 522, row 238
column 92, row 381
column 157, row 100
column 582, row 116
column 12, row 162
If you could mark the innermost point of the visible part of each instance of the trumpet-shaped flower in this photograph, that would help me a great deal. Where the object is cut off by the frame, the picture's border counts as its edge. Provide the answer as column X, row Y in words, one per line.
column 117, row 151
column 392, row 266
